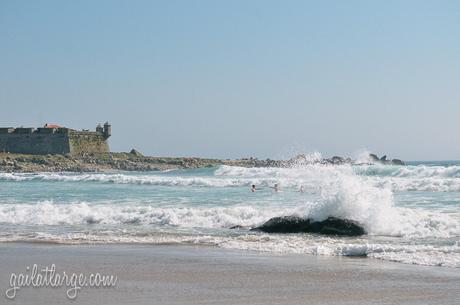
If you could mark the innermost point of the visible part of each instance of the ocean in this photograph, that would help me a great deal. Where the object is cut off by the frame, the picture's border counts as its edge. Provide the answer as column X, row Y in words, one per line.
column 411, row 212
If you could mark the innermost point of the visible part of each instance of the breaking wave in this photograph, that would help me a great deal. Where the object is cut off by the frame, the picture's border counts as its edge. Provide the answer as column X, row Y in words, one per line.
column 397, row 178
column 49, row 213
column 409, row 171
column 377, row 220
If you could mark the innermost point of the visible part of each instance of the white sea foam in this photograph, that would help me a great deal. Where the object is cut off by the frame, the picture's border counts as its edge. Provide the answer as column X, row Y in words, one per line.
column 49, row 213
column 377, row 220
column 410, row 253
column 140, row 224
column 409, row 171
column 447, row 255
column 139, row 179
column 397, row 178
column 311, row 176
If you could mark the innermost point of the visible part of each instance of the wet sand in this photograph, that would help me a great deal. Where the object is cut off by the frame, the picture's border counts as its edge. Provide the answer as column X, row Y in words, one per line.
column 203, row 275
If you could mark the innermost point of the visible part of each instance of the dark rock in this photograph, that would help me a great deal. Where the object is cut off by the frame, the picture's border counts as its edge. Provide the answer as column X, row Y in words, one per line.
column 136, row 153
column 374, row 157
column 294, row 224
column 337, row 160
column 237, row 227
column 383, row 160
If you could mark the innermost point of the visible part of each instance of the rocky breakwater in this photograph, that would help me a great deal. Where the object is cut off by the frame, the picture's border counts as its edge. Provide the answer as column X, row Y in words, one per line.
column 96, row 162
column 135, row 161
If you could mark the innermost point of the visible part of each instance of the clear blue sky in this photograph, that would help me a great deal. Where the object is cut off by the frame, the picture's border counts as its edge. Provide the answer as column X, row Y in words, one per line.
column 239, row 78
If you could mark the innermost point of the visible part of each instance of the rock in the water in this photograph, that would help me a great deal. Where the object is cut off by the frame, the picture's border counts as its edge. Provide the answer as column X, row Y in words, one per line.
column 294, row 224
column 383, row 160
column 236, row 227
column 374, row 157
column 337, row 160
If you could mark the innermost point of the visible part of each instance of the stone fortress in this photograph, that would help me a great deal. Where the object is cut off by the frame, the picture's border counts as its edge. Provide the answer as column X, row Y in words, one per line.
column 54, row 139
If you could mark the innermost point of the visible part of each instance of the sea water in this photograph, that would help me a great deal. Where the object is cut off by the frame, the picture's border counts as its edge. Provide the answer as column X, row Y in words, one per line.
column 411, row 213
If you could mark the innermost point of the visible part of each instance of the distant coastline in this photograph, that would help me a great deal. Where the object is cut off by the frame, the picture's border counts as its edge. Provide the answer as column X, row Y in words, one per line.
column 134, row 161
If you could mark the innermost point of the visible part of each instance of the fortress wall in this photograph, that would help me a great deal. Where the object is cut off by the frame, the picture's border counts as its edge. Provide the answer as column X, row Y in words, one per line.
column 34, row 143
column 3, row 141
column 87, row 142
column 44, row 141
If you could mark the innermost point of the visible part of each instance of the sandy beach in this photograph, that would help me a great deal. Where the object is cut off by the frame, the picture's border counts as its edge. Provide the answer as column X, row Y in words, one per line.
column 205, row 275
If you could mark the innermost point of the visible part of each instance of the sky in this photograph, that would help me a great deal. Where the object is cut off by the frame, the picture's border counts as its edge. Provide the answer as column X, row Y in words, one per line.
column 231, row 79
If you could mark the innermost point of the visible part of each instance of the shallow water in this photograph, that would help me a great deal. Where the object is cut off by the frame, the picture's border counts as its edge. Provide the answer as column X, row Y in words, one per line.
column 411, row 213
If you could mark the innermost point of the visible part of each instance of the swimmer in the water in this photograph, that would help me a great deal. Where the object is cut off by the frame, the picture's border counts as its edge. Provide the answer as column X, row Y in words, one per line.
column 276, row 187
column 253, row 188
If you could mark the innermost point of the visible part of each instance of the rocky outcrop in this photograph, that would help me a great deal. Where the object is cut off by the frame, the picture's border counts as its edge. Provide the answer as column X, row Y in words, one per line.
column 294, row 224
column 301, row 159
column 397, row 162
column 383, row 160
column 136, row 153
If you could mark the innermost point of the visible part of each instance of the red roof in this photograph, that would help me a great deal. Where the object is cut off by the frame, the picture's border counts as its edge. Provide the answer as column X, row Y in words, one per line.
column 52, row 126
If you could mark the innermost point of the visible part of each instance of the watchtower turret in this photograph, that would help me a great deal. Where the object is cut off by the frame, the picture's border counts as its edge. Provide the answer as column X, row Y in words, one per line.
column 99, row 128
column 107, row 130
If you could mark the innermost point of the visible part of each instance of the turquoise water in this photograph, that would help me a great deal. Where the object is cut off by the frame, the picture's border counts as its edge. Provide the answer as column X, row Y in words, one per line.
column 411, row 213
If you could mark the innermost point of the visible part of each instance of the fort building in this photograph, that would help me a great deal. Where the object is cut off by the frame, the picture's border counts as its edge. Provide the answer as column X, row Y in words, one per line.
column 54, row 139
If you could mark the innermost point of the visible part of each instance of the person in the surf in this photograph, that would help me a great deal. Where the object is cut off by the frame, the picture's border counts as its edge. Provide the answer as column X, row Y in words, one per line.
column 253, row 188
column 276, row 187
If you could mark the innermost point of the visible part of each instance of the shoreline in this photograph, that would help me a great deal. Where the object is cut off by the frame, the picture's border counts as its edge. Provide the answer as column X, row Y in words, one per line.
column 134, row 161
column 210, row 247
column 183, row 274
